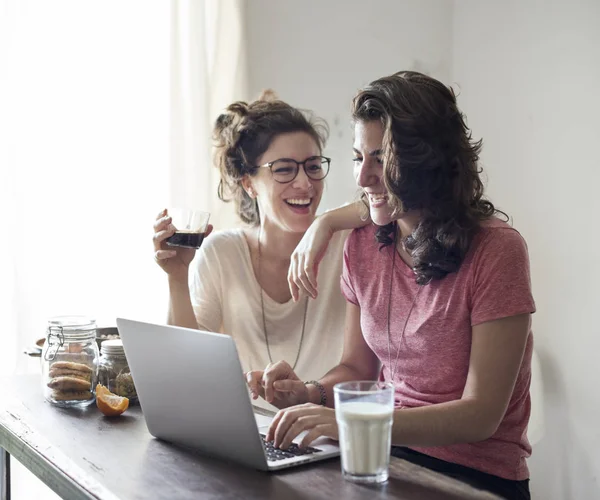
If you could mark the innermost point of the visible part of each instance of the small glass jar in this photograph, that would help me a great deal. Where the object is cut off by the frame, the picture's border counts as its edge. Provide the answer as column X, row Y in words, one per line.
column 114, row 371
column 70, row 361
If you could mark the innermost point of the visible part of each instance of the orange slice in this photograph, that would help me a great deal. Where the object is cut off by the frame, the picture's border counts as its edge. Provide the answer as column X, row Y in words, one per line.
column 108, row 403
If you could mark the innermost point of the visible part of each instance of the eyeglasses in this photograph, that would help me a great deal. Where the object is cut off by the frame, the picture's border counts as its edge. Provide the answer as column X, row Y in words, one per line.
column 286, row 170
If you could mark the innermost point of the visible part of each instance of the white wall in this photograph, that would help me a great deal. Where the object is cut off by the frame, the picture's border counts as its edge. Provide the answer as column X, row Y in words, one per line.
column 530, row 78
column 529, row 74
column 316, row 54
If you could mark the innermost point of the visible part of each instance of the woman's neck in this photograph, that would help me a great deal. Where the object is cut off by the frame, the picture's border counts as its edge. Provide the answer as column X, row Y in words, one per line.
column 271, row 261
column 276, row 243
column 408, row 223
column 406, row 226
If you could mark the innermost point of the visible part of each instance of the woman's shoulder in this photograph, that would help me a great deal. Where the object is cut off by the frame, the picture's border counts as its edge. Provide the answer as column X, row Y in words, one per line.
column 498, row 240
column 362, row 238
column 223, row 246
column 224, row 255
column 495, row 233
column 224, row 240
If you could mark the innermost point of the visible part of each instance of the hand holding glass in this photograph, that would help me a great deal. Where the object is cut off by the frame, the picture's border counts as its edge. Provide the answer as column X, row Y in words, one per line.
column 190, row 227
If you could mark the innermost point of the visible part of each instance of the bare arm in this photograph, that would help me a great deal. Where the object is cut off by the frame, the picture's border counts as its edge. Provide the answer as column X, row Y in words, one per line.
column 175, row 261
column 181, row 312
column 358, row 363
column 351, row 216
column 280, row 386
column 304, row 262
column 358, row 360
column 496, row 355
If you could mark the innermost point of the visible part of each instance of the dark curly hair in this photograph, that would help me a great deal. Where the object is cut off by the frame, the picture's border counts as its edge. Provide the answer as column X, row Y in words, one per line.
column 243, row 132
column 430, row 164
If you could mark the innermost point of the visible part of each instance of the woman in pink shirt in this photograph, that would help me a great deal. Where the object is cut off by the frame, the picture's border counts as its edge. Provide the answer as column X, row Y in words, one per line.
column 438, row 296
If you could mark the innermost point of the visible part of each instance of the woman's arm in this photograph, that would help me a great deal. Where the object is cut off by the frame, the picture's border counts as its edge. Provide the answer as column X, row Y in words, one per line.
column 195, row 298
column 175, row 261
column 358, row 361
column 496, row 354
column 279, row 385
column 304, row 263
column 181, row 312
column 350, row 216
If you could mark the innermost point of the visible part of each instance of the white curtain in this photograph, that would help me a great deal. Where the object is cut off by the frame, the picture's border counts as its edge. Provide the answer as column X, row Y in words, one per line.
column 86, row 113
column 208, row 70
column 106, row 115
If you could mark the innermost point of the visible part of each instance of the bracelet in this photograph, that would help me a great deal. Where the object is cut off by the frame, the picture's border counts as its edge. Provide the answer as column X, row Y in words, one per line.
column 322, row 392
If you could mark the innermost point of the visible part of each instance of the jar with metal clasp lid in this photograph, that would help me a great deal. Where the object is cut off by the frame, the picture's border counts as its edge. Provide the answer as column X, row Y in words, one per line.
column 70, row 361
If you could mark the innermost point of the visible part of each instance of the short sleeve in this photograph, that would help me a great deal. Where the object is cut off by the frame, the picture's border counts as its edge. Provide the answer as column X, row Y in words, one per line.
column 205, row 292
column 502, row 280
column 346, row 284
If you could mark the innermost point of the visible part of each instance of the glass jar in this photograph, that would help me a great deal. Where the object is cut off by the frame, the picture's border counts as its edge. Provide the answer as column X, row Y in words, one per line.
column 114, row 371
column 70, row 361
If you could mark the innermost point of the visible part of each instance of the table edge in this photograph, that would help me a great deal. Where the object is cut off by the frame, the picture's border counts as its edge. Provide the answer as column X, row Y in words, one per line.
column 38, row 455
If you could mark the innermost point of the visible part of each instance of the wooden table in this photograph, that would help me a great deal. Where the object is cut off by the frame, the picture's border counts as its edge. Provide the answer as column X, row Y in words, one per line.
column 81, row 455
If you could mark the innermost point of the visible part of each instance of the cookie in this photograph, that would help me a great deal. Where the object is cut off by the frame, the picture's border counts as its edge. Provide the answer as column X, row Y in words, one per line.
column 69, row 384
column 71, row 395
column 63, row 372
column 68, row 365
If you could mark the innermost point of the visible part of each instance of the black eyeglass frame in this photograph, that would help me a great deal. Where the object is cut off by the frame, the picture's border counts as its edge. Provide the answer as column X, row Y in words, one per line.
column 324, row 160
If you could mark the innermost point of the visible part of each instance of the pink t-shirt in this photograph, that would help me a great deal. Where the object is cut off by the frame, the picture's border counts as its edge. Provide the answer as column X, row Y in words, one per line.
column 493, row 282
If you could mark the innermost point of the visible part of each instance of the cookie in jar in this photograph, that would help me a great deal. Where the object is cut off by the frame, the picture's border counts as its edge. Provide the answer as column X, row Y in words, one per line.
column 70, row 361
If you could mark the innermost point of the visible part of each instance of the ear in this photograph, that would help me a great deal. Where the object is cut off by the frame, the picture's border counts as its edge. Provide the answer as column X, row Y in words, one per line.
column 247, row 185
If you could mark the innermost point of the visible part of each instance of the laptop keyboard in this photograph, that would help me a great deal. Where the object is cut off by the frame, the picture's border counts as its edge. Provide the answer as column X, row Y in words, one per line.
column 274, row 454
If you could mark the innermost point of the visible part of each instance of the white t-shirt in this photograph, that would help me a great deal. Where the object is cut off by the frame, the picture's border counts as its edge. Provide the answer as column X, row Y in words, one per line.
column 225, row 296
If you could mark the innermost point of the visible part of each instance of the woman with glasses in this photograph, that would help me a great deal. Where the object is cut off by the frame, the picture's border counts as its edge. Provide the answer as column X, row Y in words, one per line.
column 269, row 155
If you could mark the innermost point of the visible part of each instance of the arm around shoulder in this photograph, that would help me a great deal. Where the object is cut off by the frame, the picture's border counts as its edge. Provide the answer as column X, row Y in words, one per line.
column 351, row 216
column 304, row 262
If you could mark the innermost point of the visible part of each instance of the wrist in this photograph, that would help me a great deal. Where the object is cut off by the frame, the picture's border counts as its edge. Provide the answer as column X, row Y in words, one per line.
column 178, row 281
column 316, row 393
column 328, row 222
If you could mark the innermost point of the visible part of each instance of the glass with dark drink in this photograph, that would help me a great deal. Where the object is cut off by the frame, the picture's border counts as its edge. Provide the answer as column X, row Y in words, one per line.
column 190, row 227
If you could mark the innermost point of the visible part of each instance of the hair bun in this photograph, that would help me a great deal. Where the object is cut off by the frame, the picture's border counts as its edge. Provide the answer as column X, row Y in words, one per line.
column 239, row 109
column 268, row 95
column 229, row 124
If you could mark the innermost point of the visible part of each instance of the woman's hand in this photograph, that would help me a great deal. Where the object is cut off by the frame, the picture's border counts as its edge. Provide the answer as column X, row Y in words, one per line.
column 175, row 261
column 289, row 423
column 277, row 384
column 304, row 264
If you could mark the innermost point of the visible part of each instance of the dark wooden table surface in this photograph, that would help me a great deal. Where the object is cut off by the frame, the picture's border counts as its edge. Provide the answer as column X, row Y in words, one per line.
column 81, row 454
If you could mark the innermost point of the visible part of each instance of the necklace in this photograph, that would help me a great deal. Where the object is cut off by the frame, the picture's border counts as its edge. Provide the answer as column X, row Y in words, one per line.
column 389, row 310
column 262, row 307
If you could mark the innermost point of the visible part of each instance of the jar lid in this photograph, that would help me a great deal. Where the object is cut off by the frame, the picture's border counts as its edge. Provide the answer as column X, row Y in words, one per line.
column 72, row 322
column 113, row 347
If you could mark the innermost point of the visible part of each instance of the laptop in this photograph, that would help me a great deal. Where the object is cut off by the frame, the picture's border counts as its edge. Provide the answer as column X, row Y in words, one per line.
column 193, row 392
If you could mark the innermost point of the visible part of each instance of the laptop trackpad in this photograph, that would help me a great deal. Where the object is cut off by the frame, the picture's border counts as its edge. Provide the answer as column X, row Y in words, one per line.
column 262, row 421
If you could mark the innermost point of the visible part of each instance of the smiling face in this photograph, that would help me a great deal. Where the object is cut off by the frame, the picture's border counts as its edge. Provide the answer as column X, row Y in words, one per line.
column 291, row 206
column 368, row 169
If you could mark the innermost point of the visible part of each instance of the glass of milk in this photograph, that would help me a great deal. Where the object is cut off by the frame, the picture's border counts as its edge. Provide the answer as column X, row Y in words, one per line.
column 363, row 411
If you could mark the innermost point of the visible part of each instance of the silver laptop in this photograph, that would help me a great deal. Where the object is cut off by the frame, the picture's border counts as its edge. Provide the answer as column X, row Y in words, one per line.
column 192, row 391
